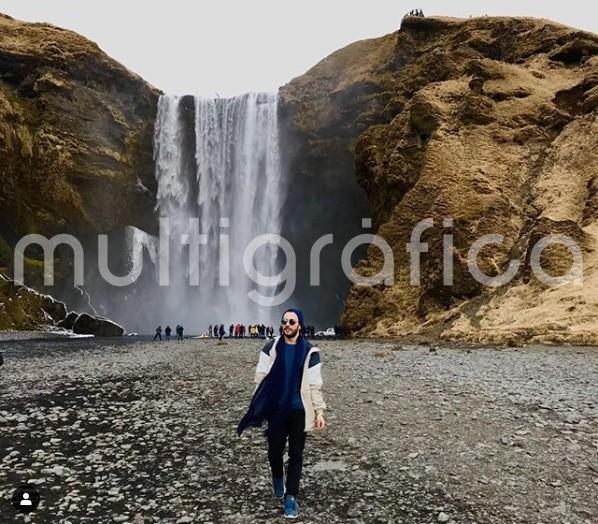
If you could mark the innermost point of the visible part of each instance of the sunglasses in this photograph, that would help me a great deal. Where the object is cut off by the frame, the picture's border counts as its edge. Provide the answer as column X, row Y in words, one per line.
column 290, row 321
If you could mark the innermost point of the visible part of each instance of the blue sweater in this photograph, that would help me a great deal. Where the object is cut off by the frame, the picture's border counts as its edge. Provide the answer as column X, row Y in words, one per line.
column 292, row 376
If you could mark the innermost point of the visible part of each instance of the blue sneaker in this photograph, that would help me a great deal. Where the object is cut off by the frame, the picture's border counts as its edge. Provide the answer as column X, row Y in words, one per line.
column 278, row 488
column 291, row 511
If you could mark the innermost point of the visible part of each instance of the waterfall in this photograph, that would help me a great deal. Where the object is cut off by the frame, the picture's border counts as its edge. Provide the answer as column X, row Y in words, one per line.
column 220, row 166
column 136, row 242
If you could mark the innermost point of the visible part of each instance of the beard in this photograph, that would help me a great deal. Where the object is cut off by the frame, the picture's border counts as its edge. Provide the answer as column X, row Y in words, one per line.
column 291, row 333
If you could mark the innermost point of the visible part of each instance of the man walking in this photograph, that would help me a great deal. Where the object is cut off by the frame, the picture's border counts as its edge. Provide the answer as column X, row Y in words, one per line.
column 288, row 395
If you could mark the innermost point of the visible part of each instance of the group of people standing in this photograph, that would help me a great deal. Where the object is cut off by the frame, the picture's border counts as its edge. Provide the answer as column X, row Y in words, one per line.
column 241, row 331
column 168, row 332
column 416, row 12
column 251, row 331
column 234, row 331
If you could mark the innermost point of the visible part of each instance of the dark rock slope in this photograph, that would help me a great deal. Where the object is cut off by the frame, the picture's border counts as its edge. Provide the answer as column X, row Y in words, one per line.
column 322, row 113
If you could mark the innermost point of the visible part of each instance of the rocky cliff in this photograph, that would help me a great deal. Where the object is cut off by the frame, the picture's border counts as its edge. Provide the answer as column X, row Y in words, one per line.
column 321, row 115
column 491, row 122
column 76, row 133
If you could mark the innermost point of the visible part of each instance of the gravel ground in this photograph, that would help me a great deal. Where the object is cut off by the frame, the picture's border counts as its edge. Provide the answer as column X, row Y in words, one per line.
column 130, row 431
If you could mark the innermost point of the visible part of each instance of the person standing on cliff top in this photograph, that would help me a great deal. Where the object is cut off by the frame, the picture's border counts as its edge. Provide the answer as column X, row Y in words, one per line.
column 288, row 395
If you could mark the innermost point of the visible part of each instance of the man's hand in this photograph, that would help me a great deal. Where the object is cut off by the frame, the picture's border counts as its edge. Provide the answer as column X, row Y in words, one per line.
column 320, row 422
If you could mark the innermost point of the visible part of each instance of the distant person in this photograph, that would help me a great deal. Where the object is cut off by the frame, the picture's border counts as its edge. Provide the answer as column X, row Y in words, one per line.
column 210, row 331
column 288, row 396
column 180, row 331
column 221, row 331
column 230, row 331
column 158, row 334
column 167, row 332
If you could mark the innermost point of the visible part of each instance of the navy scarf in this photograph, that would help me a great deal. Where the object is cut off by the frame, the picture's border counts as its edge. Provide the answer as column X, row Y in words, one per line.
column 270, row 402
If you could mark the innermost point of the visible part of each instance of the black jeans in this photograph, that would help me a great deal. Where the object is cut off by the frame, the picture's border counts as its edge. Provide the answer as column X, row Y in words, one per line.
column 292, row 428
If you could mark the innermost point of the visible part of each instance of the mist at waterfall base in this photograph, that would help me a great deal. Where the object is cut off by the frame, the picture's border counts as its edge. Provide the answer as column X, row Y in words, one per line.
column 220, row 159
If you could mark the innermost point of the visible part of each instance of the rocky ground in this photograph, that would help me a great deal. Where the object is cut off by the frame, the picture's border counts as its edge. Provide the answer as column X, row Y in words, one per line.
column 130, row 431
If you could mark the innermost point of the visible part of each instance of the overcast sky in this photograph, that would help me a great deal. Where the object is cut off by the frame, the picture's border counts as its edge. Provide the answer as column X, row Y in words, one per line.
column 231, row 47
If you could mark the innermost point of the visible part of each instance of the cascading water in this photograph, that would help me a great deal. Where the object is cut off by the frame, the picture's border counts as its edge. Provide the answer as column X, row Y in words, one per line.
column 229, row 179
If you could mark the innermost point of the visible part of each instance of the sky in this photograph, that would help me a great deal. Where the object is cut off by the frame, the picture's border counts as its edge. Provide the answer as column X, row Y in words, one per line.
column 231, row 47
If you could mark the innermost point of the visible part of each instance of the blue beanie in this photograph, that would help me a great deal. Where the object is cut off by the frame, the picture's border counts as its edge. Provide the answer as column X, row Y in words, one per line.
column 300, row 316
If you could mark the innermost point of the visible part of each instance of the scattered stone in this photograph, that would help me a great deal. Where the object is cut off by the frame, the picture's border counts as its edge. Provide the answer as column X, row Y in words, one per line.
column 330, row 465
column 135, row 428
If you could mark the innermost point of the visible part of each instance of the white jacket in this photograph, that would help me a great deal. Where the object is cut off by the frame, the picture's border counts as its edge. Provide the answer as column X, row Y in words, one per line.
column 311, row 381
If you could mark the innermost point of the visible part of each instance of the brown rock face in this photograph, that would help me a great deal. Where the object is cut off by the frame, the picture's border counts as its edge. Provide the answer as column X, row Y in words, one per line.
column 490, row 122
column 75, row 136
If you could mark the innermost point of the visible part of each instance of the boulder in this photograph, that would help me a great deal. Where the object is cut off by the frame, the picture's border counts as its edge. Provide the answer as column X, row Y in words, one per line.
column 86, row 324
column 54, row 308
column 69, row 321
